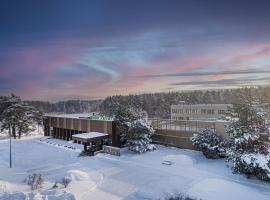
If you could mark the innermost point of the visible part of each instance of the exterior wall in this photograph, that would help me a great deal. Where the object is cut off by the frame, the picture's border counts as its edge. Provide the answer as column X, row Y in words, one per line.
column 198, row 111
column 190, row 125
column 221, row 128
column 179, row 139
column 64, row 128
column 178, row 132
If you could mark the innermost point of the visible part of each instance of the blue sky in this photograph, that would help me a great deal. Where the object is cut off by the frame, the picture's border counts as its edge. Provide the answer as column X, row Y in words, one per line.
column 52, row 50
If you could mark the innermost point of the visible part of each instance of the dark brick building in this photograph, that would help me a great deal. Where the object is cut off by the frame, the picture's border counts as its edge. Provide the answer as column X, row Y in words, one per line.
column 66, row 125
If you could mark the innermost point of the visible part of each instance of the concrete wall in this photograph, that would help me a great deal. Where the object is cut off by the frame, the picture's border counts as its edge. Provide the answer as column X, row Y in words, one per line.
column 174, row 138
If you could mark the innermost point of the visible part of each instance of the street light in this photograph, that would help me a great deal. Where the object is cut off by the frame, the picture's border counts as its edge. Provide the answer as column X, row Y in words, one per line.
column 10, row 126
column 10, row 158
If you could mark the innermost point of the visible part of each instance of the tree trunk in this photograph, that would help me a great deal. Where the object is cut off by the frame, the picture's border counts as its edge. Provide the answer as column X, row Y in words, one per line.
column 14, row 132
column 20, row 134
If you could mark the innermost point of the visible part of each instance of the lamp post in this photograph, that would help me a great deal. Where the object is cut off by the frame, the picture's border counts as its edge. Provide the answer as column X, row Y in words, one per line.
column 10, row 136
column 10, row 157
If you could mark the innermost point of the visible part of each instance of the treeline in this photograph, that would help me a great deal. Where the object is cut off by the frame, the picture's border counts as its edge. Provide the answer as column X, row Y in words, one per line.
column 156, row 104
column 69, row 107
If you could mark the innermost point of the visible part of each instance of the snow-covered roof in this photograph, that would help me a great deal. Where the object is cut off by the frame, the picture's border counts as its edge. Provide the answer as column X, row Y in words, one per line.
column 89, row 135
column 74, row 115
column 200, row 105
column 90, row 116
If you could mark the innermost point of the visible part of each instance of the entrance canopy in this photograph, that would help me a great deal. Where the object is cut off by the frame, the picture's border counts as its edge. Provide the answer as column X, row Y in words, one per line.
column 89, row 137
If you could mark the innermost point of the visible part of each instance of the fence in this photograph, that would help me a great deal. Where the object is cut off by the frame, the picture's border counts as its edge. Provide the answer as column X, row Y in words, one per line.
column 178, row 132
column 182, row 125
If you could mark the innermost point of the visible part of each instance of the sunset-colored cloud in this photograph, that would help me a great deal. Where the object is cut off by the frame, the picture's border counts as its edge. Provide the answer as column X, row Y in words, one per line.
column 93, row 50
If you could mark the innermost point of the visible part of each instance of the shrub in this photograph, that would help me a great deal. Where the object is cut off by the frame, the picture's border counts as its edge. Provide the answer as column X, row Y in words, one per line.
column 253, row 164
column 250, row 142
column 65, row 181
column 179, row 197
column 35, row 181
column 250, row 155
column 87, row 153
column 211, row 144
column 55, row 185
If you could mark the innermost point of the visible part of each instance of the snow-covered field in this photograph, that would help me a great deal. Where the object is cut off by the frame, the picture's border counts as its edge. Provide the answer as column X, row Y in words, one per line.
column 130, row 176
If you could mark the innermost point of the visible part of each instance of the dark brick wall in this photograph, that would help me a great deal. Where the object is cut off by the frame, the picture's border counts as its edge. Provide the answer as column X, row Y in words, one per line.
column 81, row 125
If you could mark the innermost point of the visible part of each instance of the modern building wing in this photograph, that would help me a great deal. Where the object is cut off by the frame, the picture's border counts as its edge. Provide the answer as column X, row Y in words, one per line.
column 198, row 111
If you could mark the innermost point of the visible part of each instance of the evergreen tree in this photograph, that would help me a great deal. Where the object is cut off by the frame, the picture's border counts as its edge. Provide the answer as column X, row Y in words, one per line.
column 210, row 143
column 139, row 136
column 249, row 152
column 18, row 116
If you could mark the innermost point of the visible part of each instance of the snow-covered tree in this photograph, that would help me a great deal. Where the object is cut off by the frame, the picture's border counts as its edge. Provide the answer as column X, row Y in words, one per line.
column 132, row 123
column 17, row 116
column 250, row 150
column 210, row 143
column 123, row 114
column 250, row 155
column 139, row 136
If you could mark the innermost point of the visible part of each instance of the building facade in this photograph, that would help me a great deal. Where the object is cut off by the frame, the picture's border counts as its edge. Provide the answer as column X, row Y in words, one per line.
column 198, row 111
column 66, row 125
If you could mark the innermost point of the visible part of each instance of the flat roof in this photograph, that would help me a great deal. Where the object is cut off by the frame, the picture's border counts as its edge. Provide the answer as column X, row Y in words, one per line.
column 202, row 105
column 74, row 115
column 89, row 135
column 89, row 116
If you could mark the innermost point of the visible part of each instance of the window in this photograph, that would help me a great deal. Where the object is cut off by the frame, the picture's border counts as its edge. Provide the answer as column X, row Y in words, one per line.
column 210, row 112
column 203, row 111
column 194, row 111
column 221, row 112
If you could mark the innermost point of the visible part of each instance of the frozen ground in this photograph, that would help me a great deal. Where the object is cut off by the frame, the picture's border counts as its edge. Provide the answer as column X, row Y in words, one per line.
column 130, row 176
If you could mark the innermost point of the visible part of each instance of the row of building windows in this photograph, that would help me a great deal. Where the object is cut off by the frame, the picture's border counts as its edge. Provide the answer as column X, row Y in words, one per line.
column 196, row 111
column 185, row 111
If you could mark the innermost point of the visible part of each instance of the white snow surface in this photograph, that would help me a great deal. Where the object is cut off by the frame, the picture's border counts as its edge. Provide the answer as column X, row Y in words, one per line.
column 75, row 115
column 90, row 135
column 129, row 177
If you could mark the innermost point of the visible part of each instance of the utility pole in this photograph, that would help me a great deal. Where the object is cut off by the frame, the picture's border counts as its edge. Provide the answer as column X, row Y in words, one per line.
column 10, row 158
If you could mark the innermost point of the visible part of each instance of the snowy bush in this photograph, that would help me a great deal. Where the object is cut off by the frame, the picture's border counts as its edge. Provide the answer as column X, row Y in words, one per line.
column 250, row 142
column 139, row 136
column 65, row 181
column 55, row 185
column 211, row 144
column 35, row 181
column 253, row 164
column 179, row 197
column 250, row 155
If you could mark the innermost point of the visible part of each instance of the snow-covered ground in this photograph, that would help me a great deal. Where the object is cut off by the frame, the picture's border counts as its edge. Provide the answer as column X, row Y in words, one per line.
column 130, row 176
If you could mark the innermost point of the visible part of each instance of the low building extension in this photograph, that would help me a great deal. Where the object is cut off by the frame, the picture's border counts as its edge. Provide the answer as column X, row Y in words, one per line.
column 87, row 129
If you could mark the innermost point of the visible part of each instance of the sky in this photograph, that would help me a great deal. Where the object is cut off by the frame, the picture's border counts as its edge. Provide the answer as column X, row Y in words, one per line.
column 55, row 50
